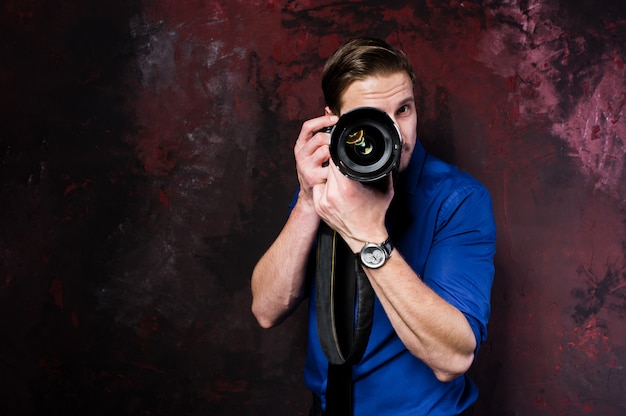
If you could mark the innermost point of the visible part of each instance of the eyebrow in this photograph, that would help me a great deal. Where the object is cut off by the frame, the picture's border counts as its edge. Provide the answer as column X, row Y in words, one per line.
column 406, row 101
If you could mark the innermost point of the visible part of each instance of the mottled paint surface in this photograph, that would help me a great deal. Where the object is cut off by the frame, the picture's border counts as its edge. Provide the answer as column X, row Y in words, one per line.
column 146, row 165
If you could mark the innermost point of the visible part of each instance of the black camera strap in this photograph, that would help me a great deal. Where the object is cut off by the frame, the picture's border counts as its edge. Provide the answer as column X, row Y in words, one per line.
column 345, row 309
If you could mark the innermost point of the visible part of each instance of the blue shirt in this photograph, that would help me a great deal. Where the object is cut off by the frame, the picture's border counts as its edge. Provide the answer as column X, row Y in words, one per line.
column 441, row 221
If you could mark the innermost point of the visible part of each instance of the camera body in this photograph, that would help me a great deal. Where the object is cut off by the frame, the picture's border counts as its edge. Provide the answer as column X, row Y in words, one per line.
column 366, row 145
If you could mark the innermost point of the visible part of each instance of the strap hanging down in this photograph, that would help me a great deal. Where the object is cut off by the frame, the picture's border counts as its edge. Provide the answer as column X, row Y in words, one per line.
column 340, row 278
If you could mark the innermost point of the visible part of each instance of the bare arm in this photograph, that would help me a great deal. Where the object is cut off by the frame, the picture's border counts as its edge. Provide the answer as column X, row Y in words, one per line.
column 278, row 280
column 430, row 328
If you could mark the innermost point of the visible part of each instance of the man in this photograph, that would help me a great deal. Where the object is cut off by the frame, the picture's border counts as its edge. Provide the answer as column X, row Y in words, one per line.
column 433, row 291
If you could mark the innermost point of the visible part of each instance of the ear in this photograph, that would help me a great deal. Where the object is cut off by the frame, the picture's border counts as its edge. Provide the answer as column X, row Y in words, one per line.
column 327, row 111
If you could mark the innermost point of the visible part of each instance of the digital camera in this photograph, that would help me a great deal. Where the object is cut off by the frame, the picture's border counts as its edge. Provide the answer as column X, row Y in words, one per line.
column 365, row 144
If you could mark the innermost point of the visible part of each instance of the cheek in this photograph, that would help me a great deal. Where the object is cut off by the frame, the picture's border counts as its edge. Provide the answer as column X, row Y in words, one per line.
column 408, row 130
column 408, row 136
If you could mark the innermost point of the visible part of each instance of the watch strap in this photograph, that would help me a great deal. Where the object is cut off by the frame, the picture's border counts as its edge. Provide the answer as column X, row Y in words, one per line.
column 387, row 245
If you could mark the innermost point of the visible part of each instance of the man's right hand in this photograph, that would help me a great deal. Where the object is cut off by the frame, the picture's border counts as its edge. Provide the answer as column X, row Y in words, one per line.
column 311, row 153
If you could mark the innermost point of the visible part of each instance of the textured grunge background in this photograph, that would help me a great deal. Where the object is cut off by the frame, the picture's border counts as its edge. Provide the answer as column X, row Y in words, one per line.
column 146, row 164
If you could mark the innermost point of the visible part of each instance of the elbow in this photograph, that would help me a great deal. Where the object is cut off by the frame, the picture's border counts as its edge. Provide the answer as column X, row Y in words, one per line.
column 264, row 321
column 446, row 376
column 455, row 368
column 272, row 312
column 260, row 309
column 265, row 324
column 270, row 315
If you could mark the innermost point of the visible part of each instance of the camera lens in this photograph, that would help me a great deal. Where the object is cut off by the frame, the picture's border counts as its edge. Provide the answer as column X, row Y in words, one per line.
column 365, row 144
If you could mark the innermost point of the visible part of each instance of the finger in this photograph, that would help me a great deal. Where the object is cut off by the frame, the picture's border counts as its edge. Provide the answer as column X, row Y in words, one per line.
column 334, row 187
column 335, row 176
column 310, row 166
column 306, row 145
column 311, row 127
column 314, row 152
column 318, row 193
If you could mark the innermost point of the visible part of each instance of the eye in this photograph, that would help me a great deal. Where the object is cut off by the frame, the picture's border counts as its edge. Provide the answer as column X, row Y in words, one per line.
column 403, row 109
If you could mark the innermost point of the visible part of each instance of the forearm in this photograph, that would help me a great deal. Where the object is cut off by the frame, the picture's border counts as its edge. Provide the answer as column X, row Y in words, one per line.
column 431, row 328
column 278, row 280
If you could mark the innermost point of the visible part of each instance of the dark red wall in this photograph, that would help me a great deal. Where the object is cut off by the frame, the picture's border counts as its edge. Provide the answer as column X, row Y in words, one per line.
column 146, row 164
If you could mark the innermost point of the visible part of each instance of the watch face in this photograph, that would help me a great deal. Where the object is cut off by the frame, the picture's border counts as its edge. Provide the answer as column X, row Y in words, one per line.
column 373, row 256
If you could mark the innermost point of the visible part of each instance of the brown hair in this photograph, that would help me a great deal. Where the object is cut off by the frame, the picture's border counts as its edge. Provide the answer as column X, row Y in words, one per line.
column 356, row 60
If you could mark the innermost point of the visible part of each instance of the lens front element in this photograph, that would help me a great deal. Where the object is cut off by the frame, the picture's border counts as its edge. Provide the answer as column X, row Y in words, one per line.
column 362, row 144
column 366, row 144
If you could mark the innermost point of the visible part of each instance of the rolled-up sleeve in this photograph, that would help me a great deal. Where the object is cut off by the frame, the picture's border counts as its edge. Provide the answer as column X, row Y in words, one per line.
column 460, row 264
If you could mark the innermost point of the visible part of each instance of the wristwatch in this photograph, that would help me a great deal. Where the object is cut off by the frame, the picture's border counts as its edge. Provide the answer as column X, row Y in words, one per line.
column 374, row 256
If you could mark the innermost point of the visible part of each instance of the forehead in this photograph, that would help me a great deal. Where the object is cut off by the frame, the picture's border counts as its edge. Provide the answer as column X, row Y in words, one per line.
column 386, row 92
